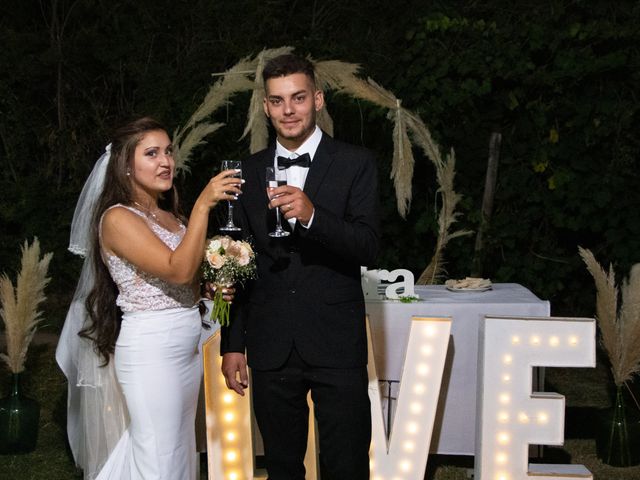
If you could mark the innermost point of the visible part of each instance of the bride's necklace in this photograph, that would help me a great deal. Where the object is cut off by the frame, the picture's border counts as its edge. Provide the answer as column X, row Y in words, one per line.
column 147, row 211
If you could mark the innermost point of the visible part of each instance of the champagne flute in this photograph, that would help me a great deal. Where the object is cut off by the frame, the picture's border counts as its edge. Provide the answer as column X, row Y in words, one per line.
column 231, row 165
column 277, row 178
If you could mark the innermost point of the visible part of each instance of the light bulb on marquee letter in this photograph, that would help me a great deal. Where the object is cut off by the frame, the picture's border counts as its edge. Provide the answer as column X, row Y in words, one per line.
column 404, row 456
column 520, row 417
column 229, row 436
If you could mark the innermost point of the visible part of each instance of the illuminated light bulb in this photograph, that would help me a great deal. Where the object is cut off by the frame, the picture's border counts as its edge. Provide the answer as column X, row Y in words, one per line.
column 535, row 340
column 573, row 340
column 233, row 476
column 507, row 359
column 405, row 465
column 416, row 407
column 523, row 417
column 231, row 436
column 429, row 331
column 504, row 398
column 503, row 438
column 502, row 476
column 227, row 398
column 501, row 458
column 426, row 350
column 409, row 446
column 412, row 427
column 231, row 456
column 554, row 341
column 515, row 340
column 229, row 417
column 422, row 369
column 503, row 417
column 506, row 378
column 543, row 417
column 419, row 388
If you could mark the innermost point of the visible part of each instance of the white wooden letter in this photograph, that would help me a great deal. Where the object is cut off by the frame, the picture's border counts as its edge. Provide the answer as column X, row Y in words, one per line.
column 406, row 285
column 230, row 446
column 404, row 456
column 509, row 415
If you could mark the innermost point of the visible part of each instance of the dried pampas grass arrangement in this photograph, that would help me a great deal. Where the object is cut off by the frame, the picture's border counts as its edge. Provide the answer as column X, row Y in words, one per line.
column 342, row 77
column 619, row 324
column 193, row 133
column 20, row 304
column 235, row 80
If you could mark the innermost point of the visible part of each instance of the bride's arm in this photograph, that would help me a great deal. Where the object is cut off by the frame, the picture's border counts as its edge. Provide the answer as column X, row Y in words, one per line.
column 128, row 236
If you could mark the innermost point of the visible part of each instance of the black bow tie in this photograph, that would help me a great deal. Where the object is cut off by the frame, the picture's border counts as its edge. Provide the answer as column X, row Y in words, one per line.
column 303, row 160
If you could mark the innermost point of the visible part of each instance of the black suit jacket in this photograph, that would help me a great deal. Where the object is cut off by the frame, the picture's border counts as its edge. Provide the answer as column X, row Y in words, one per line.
column 308, row 291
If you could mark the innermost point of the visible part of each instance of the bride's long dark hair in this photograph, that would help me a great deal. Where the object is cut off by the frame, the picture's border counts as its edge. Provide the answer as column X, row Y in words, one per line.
column 105, row 316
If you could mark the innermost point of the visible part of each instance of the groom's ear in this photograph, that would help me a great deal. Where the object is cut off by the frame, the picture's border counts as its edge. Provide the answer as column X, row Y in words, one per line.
column 264, row 106
column 318, row 98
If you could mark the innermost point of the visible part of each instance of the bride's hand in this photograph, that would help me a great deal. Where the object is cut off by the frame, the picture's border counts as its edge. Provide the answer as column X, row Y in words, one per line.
column 228, row 293
column 224, row 186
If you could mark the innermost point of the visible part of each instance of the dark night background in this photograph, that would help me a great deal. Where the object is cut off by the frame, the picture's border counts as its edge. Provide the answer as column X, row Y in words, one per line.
column 559, row 79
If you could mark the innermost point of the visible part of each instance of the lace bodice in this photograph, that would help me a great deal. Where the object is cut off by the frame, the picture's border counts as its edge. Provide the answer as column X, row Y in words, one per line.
column 139, row 291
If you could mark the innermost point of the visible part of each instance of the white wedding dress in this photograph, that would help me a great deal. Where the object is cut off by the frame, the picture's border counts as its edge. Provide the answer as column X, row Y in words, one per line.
column 158, row 368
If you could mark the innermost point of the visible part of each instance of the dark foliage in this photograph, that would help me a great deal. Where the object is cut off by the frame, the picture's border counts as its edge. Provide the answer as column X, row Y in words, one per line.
column 558, row 79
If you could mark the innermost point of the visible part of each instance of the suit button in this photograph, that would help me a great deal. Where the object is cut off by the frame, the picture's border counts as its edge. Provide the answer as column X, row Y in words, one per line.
column 292, row 291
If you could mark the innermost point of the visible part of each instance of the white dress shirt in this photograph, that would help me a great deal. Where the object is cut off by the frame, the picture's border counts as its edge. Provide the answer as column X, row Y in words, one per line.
column 297, row 175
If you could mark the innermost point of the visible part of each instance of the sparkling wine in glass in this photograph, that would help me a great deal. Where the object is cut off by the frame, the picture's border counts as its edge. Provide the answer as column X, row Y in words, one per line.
column 231, row 165
column 277, row 178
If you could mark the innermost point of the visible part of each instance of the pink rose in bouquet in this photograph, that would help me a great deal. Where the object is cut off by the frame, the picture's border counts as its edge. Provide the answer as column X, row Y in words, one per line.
column 226, row 261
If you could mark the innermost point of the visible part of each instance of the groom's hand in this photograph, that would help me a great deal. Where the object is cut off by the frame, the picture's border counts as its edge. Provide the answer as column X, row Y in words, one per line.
column 292, row 202
column 234, row 369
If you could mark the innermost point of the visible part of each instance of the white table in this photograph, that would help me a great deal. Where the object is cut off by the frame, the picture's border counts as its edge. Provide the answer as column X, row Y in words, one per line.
column 454, row 429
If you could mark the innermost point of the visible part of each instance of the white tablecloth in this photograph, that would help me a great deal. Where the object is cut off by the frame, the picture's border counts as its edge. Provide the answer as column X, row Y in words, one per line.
column 454, row 430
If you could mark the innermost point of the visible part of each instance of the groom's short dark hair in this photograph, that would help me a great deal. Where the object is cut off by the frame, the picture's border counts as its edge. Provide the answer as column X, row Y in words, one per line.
column 288, row 64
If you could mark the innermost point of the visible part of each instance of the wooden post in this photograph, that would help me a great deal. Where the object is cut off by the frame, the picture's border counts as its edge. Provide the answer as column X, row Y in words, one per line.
column 487, row 201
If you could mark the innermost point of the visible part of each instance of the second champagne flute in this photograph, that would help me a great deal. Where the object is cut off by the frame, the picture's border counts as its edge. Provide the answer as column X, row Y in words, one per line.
column 231, row 165
column 276, row 178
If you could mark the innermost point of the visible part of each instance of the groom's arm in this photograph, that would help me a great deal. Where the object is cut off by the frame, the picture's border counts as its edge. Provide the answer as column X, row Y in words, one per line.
column 355, row 236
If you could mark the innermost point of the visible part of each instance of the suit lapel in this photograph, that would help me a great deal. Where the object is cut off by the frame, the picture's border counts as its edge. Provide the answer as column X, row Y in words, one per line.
column 322, row 160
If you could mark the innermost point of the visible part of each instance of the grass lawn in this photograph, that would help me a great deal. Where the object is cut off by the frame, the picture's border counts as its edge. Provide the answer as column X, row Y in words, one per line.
column 44, row 382
column 585, row 391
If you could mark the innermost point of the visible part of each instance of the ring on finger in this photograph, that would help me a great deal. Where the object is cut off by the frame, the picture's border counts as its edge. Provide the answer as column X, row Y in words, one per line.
column 289, row 207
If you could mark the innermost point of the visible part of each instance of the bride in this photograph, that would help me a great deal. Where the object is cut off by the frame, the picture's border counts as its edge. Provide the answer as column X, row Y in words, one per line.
column 133, row 329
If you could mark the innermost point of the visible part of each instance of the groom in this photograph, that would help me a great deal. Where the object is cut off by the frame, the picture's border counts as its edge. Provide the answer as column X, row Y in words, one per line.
column 302, row 322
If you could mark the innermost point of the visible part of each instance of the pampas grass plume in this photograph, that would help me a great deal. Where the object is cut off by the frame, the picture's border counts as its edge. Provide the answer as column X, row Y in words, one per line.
column 20, row 304
column 619, row 324
column 342, row 77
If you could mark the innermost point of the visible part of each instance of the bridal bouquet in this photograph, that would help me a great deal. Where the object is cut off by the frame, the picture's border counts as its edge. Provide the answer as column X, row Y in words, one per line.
column 226, row 261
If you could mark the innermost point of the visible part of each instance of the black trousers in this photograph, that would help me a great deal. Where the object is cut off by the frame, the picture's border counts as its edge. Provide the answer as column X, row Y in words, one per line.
column 342, row 410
